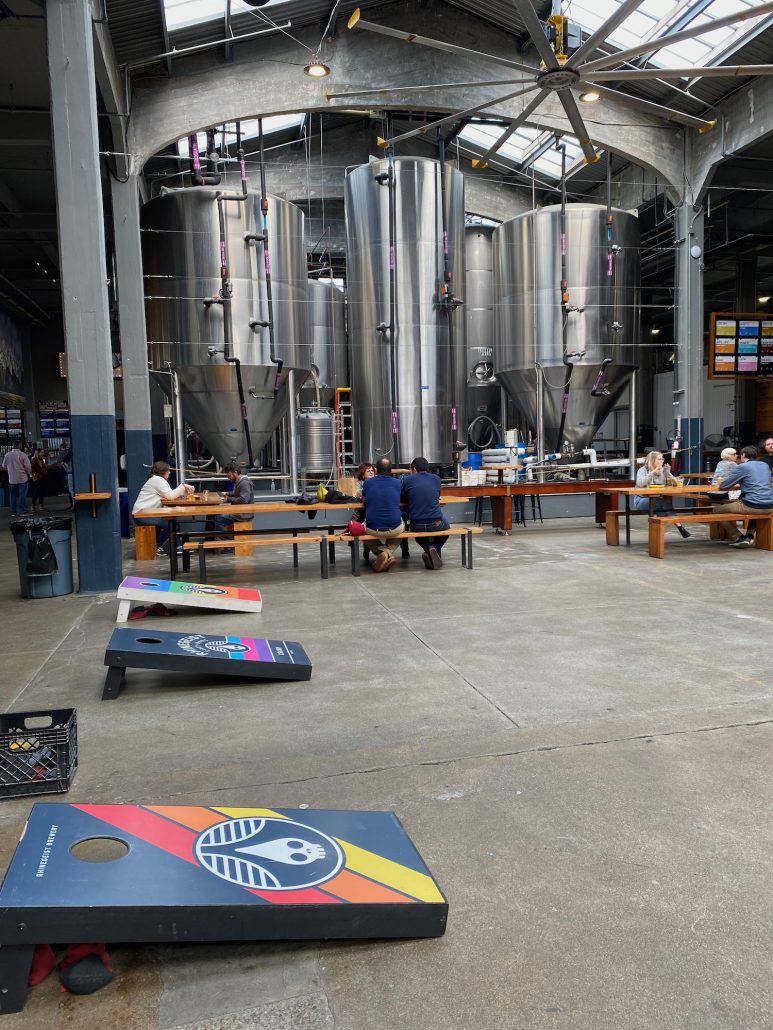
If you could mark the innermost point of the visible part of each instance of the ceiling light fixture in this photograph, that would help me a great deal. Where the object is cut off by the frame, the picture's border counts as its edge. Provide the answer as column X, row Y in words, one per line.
column 763, row 300
column 316, row 69
column 590, row 96
column 655, row 332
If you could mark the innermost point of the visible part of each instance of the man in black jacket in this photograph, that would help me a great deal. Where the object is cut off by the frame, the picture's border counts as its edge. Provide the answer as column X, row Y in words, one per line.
column 242, row 493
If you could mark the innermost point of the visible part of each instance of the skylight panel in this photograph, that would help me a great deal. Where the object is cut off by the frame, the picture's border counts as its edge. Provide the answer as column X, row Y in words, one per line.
column 276, row 123
column 182, row 13
column 657, row 18
column 521, row 145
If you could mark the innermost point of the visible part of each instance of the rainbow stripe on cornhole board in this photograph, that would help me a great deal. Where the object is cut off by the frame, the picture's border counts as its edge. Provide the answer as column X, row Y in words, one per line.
column 202, row 874
column 147, row 590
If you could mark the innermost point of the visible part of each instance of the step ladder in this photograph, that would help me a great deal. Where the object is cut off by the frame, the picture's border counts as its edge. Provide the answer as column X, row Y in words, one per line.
column 344, row 425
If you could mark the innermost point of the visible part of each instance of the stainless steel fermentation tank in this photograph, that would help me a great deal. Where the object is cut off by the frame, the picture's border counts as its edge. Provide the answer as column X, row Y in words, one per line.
column 483, row 391
column 421, row 369
column 327, row 320
column 602, row 317
column 181, row 261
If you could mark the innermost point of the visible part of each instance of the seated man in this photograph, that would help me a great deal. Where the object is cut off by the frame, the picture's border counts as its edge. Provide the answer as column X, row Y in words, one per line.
column 421, row 492
column 242, row 493
column 383, row 518
column 753, row 477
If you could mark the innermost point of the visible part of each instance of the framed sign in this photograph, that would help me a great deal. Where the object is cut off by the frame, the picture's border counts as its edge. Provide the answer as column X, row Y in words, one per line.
column 740, row 345
column 54, row 419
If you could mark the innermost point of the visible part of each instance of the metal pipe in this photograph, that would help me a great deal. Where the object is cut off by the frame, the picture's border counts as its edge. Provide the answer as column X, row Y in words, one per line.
column 540, row 414
column 178, row 427
column 564, row 302
column 632, row 417
column 388, row 330
column 292, row 431
column 448, row 300
column 204, row 46
column 267, row 263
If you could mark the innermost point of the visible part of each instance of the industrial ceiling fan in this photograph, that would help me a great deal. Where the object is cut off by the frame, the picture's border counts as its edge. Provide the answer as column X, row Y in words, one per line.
column 566, row 65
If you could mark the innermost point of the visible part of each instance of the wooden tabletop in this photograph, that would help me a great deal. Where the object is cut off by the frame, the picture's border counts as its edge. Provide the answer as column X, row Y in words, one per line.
column 181, row 511
column 661, row 491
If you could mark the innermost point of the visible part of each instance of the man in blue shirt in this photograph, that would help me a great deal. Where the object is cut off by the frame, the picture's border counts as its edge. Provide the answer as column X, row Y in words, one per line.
column 383, row 517
column 421, row 492
column 753, row 477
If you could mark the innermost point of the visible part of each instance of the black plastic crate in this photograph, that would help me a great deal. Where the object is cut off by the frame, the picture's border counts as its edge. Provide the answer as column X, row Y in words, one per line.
column 38, row 752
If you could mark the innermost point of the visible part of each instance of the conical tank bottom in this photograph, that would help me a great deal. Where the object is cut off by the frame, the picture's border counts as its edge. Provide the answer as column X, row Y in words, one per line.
column 210, row 403
column 584, row 414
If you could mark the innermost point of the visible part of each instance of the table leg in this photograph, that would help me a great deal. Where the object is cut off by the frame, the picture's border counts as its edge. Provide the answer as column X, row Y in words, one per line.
column 323, row 558
column 331, row 547
column 124, row 608
column 202, row 563
column 502, row 514
column 463, row 538
column 355, row 546
column 172, row 549
column 469, row 550
column 295, row 552
column 15, row 965
column 627, row 520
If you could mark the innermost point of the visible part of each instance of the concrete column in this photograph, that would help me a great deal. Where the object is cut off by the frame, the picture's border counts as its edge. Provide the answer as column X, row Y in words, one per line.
column 84, row 290
column 688, row 334
column 138, row 430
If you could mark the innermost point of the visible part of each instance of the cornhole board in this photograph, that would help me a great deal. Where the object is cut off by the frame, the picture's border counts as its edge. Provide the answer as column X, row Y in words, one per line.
column 197, row 874
column 145, row 590
column 195, row 653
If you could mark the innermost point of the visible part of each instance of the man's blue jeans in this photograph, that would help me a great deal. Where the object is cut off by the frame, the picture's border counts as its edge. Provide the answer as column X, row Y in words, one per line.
column 18, row 494
column 425, row 542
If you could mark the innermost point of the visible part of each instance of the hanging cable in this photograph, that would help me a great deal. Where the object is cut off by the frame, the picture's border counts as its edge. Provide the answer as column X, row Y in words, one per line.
column 564, row 302
column 388, row 330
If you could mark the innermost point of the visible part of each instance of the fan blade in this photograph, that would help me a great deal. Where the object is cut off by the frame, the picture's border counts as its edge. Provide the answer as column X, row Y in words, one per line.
column 676, row 37
column 482, row 162
column 437, row 44
column 578, row 126
column 603, row 31
column 717, row 72
column 452, row 118
column 431, row 85
column 668, row 113
column 536, row 31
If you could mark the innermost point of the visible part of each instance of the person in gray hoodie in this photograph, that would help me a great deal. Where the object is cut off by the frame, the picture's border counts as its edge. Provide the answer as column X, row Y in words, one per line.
column 242, row 493
column 753, row 478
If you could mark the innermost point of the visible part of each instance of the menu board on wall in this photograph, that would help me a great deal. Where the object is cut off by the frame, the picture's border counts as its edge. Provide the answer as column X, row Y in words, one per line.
column 54, row 419
column 741, row 346
column 11, row 425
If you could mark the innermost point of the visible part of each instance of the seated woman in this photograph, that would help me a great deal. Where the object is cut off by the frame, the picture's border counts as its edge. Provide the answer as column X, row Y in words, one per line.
column 655, row 472
column 153, row 494
column 728, row 463
column 365, row 470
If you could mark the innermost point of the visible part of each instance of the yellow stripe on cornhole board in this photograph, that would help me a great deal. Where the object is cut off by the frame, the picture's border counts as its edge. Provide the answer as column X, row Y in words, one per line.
column 358, row 860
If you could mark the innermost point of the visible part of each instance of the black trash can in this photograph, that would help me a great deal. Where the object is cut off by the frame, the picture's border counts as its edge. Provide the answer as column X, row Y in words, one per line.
column 44, row 554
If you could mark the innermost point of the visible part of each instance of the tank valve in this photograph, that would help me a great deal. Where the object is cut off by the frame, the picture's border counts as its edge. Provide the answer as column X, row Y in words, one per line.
column 255, row 323
column 616, row 327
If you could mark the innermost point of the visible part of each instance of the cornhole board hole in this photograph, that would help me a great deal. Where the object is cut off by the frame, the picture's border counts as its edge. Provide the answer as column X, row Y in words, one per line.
column 147, row 874
column 145, row 590
column 195, row 653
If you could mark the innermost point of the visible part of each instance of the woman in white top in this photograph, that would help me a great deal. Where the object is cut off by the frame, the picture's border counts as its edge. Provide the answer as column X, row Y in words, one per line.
column 153, row 494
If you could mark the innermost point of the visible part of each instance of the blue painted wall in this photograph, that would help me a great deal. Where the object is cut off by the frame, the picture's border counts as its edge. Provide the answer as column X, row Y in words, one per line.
column 99, row 539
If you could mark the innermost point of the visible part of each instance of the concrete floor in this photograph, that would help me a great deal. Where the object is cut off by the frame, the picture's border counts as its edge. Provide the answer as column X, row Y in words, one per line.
column 577, row 738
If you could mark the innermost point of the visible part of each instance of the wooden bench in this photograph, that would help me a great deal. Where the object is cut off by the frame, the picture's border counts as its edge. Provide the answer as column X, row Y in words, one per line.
column 465, row 533
column 657, row 528
column 251, row 543
column 613, row 516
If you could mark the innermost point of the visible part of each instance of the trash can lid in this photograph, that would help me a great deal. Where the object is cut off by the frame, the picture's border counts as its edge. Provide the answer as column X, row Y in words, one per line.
column 44, row 523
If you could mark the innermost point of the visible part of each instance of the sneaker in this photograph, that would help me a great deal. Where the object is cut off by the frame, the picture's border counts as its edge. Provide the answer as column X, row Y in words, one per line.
column 427, row 560
column 383, row 560
column 434, row 557
column 161, row 552
column 743, row 541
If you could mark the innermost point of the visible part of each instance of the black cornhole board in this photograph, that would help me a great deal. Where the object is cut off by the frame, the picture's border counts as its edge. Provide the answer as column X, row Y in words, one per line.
column 196, row 874
column 244, row 657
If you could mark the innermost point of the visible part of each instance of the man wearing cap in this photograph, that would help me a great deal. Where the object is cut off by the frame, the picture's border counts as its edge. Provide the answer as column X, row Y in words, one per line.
column 753, row 478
